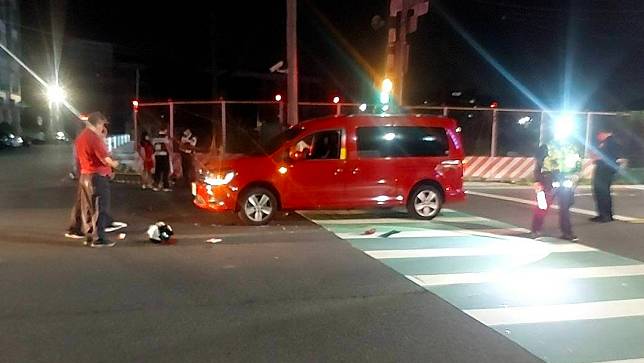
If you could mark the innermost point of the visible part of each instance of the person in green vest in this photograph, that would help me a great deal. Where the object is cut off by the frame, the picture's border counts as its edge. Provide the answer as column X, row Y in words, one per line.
column 557, row 166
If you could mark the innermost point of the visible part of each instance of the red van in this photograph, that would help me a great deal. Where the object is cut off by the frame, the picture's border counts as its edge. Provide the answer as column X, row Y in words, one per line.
column 346, row 162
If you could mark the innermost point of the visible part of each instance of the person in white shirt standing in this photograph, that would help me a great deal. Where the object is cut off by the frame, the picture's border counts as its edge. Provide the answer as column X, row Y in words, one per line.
column 187, row 147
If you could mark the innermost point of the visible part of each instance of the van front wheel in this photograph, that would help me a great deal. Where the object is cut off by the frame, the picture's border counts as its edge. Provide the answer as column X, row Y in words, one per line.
column 257, row 206
column 425, row 202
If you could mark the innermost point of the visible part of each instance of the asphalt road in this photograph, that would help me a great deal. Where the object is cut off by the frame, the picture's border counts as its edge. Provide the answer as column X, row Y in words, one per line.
column 314, row 288
column 291, row 291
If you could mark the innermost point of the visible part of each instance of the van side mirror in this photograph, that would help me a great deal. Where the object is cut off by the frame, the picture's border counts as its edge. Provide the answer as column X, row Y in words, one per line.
column 298, row 155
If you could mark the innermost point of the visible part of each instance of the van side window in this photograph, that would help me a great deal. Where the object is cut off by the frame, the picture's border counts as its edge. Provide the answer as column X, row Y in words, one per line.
column 320, row 146
column 400, row 141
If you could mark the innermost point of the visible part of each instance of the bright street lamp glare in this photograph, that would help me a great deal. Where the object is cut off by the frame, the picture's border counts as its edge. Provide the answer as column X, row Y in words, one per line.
column 56, row 94
column 363, row 107
column 336, row 99
column 278, row 97
column 564, row 127
column 387, row 85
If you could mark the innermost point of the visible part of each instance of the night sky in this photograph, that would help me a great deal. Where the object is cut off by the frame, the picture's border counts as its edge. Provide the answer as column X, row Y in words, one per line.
column 181, row 48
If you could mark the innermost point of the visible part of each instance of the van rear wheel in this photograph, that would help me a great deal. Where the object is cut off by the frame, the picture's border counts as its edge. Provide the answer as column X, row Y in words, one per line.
column 257, row 206
column 425, row 202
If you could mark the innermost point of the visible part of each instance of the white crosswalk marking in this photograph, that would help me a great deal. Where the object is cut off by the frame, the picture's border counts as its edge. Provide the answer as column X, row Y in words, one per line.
column 560, row 273
column 553, row 313
column 398, row 220
column 636, row 360
column 504, row 249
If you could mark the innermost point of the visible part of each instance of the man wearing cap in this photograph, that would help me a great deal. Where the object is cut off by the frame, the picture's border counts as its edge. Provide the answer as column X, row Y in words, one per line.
column 187, row 148
column 162, row 165
column 603, row 175
column 93, row 186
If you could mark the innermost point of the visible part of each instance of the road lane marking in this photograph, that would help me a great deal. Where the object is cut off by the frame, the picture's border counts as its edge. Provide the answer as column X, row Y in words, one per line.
column 400, row 220
column 635, row 360
column 555, row 313
column 427, row 233
column 533, row 203
column 504, row 249
column 549, row 273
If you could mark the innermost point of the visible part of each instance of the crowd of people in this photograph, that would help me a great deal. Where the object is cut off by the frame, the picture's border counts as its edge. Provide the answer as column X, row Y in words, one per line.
column 157, row 164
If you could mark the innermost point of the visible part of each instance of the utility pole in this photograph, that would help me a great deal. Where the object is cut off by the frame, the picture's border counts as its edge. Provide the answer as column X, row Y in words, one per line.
column 403, row 20
column 291, row 54
column 138, row 80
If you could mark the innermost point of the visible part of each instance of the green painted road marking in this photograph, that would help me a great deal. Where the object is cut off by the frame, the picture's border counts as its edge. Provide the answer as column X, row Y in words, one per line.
column 375, row 244
column 525, row 292
column 581, row 341
column 452, row 265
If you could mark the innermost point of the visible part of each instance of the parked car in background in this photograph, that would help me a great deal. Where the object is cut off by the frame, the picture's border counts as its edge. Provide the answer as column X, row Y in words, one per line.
column 349, row 162
column 10, row 140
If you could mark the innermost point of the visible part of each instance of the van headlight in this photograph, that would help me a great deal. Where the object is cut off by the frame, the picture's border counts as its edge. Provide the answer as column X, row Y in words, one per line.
column 219, row 178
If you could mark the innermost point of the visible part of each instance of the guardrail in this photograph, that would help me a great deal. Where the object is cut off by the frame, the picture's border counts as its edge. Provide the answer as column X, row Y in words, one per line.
column 115, row 141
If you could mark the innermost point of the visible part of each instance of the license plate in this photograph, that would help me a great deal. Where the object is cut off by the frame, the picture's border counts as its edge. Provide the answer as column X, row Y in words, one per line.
column 193, row 187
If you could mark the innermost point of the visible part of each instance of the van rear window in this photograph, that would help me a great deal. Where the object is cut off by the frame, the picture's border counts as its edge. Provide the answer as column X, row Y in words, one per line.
column 400, row 141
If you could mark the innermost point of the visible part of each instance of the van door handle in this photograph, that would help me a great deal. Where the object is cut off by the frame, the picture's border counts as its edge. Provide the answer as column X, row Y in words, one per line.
column 338, row 171
column 355, row 171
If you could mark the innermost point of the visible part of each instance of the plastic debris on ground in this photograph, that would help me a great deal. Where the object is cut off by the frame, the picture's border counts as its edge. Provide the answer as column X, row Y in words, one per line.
column 369, row 231
column 390, row 233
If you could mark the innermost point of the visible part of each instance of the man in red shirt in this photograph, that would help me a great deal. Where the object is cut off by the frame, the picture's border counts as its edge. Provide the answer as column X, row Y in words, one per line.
column 93, row 187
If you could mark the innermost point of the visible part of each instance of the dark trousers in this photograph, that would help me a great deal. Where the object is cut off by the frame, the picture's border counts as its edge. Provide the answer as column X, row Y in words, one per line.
column 91, row 211
column 161, row 170
column 565, row 198
column 187, row 167
column 602, row 181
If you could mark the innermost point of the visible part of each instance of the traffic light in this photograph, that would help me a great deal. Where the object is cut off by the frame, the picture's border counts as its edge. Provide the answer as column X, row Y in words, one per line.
column 385, row 91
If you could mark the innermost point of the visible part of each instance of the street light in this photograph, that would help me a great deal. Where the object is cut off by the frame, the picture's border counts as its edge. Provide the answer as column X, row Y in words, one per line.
column 336, row 99
column 56, row 94
column 278, row 97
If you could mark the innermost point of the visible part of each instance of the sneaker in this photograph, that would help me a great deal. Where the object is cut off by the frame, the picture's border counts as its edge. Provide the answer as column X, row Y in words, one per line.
column 534, row 235
column 74, row 235
column 156, row 189
column 144, row 187
column 600, row 219
column 570, row 237
column 102, row 243
column 115, row 226
column 167, row 189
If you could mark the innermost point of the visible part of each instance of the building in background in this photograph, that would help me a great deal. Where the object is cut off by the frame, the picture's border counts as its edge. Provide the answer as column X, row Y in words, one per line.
column 10, row 90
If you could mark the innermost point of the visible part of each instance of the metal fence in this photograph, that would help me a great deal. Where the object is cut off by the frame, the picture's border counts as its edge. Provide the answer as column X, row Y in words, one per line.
column 236, row 126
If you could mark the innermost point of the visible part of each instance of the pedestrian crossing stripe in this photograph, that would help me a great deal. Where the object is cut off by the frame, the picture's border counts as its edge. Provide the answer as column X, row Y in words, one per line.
column 528, row 249
column 553, row 313
column 546, row 274
column 563, row 302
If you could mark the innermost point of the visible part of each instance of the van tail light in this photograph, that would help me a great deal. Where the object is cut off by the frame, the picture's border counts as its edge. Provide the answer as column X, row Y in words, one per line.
column 451, row 162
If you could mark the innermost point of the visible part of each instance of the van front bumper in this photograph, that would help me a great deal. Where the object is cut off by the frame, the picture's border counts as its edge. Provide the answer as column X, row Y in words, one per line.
column 221, row 198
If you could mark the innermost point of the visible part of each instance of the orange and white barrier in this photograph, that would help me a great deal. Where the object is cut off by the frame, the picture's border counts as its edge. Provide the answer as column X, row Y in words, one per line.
column 508, row 168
